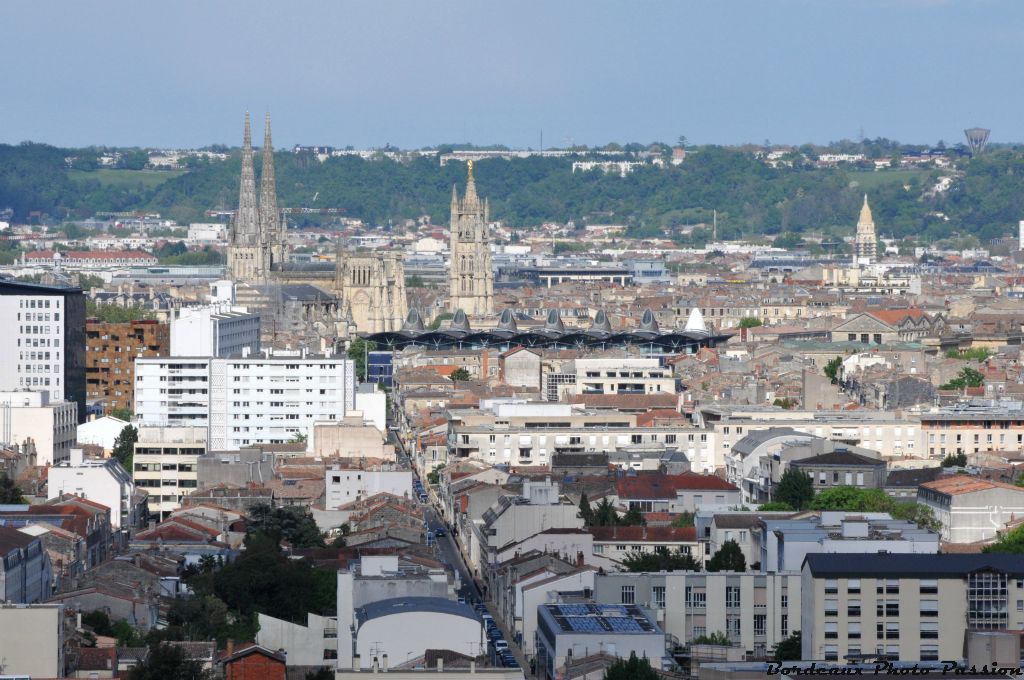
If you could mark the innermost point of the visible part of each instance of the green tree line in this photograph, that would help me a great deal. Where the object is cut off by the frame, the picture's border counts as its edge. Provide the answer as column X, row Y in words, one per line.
column 750, row 196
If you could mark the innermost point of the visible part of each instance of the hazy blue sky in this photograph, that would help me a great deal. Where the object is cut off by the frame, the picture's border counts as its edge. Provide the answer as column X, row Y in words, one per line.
column 423, row 72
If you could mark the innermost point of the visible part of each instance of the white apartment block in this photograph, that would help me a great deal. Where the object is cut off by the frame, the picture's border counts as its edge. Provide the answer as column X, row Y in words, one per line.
column 756, row 611
column 103, row 481
column 244, row 401
column 214, row 331
column 622, row 376
column 344, row 485
column 982, row 425
column 529, row 434
column 166, row 465
column 883, row 431
column 53, row 426
column 913, row 607
column 32, row 344
column 172, row 391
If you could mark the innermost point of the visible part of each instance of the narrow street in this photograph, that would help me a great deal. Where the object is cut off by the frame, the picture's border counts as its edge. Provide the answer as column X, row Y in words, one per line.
column 448, row 553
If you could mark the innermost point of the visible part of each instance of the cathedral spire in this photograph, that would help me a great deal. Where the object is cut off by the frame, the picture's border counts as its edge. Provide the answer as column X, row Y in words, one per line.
column 470, row 201
column 269, row 216
column 247, row 219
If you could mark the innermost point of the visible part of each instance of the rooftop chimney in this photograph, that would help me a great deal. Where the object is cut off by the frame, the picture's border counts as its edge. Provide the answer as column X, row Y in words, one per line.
column 355, row 662
column 231, row 647
column 384, row 663
column 440, row 665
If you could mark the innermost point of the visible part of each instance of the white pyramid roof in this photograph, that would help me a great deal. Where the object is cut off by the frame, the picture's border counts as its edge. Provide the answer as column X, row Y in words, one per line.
column 695, row 324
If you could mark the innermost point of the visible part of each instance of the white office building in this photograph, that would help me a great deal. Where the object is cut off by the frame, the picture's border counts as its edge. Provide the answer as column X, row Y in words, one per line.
column 31, row 415
column 166, row 465
column 214, row 331
column 245, row 401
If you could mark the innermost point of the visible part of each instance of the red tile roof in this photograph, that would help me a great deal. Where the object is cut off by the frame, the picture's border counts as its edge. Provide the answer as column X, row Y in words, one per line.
column 639, row 534
column 648, row 485
column 894, row 316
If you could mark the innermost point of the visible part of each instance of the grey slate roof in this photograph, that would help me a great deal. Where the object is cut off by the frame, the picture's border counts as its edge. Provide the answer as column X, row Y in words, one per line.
column 401, row 605
column 911, row 565
column 839, row 458
column 912, row 478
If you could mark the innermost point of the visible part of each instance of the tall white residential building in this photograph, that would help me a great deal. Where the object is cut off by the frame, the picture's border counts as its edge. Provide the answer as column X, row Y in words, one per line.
column 245, row 401
column 166, row 463
column 172, row 391
column 214, row 331
column 104, row 481
column 42, row 343
column 31, row 415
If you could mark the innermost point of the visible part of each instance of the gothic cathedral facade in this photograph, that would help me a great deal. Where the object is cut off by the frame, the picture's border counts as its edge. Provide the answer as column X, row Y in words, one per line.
column 370, row 288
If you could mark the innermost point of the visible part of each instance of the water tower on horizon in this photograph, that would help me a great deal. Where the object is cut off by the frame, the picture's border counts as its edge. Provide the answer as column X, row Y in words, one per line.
column 977, row 139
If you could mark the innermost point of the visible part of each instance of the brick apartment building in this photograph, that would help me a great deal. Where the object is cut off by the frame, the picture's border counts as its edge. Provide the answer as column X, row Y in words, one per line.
column 111, row 350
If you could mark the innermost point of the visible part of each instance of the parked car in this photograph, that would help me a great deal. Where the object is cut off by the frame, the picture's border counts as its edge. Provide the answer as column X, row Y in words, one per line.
column 439, row 532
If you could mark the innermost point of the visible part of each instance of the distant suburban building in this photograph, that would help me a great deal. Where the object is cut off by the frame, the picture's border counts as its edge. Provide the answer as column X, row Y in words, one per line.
column 91, row 259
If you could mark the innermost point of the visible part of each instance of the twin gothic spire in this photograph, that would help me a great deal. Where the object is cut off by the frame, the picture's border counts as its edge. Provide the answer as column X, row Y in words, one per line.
column 257, row 223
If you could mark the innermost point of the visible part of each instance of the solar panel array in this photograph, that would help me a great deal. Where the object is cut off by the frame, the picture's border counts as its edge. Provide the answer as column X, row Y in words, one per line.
column 600, row 618
column 622, row 624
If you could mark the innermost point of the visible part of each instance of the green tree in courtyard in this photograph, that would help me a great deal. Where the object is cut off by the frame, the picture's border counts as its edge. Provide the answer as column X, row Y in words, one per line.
column 124, row 446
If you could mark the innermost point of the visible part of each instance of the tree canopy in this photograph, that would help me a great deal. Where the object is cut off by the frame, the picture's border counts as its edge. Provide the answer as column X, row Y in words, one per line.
column 715, row 638
column 358, row 352
column 789, row 649
column 857, row 499
column 795, row 489
column 168, row 662
column 10, row 494
column 1010, row 542
column 968, row 377
column 633, row 668
column 750, row 196
column 660, row 560
column 288, row 523
column 460, row 375
column 728, row 558
column 124, row 446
